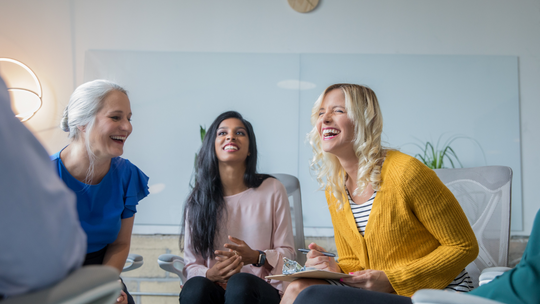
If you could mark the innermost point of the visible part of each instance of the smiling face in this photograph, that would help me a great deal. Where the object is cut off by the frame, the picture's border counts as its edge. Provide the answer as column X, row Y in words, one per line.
column 334, row 126
column 112, row 126
column 232, row 141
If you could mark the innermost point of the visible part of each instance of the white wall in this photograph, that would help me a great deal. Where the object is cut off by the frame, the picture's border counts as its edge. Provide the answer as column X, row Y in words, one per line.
column 53, row 36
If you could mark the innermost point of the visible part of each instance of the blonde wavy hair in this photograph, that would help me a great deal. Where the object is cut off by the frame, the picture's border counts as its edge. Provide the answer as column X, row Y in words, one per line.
column 363, row 110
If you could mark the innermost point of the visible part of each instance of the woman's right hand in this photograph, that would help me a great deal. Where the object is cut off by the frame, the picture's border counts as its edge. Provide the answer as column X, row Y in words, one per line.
column 227, row 264
column 316, row 259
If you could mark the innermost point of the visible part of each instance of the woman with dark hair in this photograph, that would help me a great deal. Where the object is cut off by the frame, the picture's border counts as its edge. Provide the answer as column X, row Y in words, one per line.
column 237, row 223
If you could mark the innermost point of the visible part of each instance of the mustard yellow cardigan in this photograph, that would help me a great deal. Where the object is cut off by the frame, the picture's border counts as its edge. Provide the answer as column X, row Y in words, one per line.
column 416, row 233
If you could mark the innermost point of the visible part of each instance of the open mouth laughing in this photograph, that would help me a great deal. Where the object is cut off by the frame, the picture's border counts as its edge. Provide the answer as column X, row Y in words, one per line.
column 329, row 133
column 119, row 139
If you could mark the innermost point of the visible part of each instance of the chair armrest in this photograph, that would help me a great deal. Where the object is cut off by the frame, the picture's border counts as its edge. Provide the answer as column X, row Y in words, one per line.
column 435, row 296
column 173, row 263
column 94, row 284
column 488, row 274
column 133, row 262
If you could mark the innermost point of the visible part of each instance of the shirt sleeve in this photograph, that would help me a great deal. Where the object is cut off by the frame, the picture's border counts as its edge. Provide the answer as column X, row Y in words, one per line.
column 137, row 189
column 282, row 234
column 519, row 285
column 440, row 213
column 195, row 264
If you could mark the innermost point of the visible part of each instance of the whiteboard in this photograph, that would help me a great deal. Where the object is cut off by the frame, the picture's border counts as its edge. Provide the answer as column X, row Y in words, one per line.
column 422, row 97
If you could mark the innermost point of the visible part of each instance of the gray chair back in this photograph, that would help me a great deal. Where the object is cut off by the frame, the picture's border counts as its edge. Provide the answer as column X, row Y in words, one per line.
column 292, row 185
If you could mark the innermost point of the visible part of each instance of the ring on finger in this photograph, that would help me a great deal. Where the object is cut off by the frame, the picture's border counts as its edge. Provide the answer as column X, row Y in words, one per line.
column 235, row 252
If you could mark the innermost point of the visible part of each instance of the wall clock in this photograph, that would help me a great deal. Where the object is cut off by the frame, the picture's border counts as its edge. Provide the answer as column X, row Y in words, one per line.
column 303, row 6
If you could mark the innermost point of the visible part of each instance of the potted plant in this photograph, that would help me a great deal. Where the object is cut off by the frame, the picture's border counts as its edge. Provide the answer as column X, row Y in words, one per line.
column 194, row 175
column 434, row 156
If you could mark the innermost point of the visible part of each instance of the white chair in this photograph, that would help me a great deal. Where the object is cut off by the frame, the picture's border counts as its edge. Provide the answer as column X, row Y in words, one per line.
column 87, row 285
column 175, row 264
column 484, row 193
column 433, row 296
column 133, row 262
column 488, row 274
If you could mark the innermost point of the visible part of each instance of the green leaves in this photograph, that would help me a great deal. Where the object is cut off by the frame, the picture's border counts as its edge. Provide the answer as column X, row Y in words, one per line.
column 434, row 156
column 203, row 132
column 194, row 175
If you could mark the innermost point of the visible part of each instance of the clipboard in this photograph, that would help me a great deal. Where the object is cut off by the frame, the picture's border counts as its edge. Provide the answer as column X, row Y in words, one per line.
column 309, row 274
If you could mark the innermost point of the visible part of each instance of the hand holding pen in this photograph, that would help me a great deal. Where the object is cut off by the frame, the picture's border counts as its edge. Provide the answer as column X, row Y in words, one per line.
column 318, row 258
column 328, row 254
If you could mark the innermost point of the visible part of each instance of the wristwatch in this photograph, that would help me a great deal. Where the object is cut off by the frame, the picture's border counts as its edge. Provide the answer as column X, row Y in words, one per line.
column 261, row 260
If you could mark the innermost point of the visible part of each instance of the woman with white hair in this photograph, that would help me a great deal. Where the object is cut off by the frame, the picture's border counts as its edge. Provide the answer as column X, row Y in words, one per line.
column 108, row 187
column 397, row 227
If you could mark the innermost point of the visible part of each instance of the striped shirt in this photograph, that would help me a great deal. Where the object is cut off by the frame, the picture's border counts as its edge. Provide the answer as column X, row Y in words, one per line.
column 361, row 212
column 461, row 283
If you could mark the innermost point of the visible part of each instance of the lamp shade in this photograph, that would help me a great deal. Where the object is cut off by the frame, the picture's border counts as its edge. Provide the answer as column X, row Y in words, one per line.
column 26, row 101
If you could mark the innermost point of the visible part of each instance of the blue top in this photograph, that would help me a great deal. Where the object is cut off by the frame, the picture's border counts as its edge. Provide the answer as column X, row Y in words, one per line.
column 519, row 285
column 101, row 207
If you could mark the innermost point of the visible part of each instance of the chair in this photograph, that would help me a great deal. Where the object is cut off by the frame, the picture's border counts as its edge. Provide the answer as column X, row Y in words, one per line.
column 432, row 296
column 488, row 274
column 87, row 285
column 484, row 194
column 175, row 264
column 133, row 262
column 292, row 186
column 435, row 296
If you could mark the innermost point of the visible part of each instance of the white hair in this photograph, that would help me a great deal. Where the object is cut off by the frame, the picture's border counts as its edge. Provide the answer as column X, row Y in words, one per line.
column 80, row 114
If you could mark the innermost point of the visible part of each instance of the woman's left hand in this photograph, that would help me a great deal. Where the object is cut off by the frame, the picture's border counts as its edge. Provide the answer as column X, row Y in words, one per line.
column 370, row 279
column 249, row 256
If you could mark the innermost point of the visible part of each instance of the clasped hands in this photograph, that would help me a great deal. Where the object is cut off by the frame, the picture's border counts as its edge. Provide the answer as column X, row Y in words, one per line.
column 369, row 279
column 231, row 261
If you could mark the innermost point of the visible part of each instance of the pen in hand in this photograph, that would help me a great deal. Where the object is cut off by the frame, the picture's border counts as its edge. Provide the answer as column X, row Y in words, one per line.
column 329, row 254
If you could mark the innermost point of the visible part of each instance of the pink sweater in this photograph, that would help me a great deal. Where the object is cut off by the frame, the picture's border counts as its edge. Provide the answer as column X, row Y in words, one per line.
column 261, row 217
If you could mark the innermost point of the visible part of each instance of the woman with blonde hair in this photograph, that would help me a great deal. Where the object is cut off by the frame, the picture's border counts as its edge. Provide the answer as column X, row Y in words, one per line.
column 397, row 228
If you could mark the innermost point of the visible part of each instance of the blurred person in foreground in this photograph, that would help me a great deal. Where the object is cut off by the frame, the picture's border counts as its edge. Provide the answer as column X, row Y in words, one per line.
column 40, row 235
